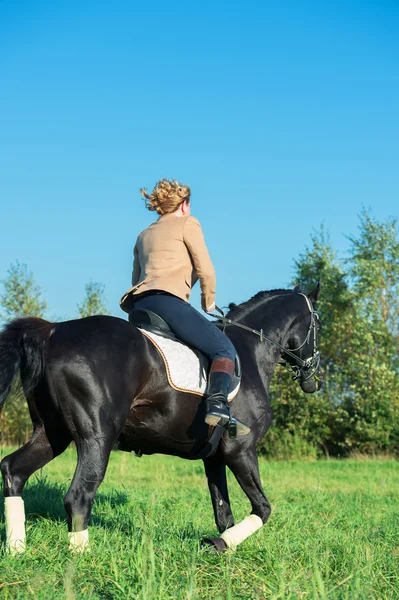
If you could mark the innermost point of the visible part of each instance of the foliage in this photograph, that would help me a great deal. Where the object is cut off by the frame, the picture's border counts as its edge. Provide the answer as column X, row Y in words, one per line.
column 358, row 407
column 374, row 268
column 324, row 539
column 94, row 301
column 21, row 297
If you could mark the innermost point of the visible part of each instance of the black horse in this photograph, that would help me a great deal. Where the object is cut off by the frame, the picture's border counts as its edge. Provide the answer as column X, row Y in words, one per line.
column 99, row 380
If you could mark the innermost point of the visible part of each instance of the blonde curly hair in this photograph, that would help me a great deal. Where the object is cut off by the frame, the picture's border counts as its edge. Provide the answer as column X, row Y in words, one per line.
column 167, row 196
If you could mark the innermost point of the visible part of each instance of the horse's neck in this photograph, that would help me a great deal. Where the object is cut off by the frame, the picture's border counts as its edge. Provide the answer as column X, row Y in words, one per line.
column 275, row 318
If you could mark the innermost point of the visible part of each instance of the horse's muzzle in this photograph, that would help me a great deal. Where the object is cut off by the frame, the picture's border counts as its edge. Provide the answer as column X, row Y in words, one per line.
column 310, row 386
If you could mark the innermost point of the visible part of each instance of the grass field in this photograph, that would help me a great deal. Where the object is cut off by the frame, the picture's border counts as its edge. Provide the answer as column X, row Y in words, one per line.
column 333, row 533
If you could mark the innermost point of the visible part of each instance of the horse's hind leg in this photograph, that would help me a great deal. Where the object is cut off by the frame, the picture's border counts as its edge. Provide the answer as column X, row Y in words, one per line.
column 93, row 456
column 16, row 469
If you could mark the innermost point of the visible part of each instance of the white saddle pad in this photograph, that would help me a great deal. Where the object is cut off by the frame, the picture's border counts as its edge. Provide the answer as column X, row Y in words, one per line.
column 186, row 368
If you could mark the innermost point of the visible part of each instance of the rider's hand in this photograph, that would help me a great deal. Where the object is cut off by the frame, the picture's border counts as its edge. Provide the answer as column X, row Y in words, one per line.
column 206, row 308
column 210, row 308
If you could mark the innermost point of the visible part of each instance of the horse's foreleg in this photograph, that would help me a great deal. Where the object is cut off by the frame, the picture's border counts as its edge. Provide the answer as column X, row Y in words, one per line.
column 245, row 467
column 16, row 469
column 93, row 456
column 215, row 470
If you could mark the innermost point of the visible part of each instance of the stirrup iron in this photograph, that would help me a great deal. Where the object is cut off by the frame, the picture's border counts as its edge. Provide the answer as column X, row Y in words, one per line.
column 232, row 428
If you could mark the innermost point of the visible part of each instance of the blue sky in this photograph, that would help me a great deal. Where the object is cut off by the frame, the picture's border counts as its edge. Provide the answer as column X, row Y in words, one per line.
column 279, row 115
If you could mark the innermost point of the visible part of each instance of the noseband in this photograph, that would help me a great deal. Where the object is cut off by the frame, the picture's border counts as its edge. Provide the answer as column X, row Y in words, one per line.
column 303, row 369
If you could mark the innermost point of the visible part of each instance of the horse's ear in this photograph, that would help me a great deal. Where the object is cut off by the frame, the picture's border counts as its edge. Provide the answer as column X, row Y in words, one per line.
column 314, row 294
column 298, row 288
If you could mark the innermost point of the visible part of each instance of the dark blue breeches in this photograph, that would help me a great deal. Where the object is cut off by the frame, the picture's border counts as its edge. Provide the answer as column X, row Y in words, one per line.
column 188, row 324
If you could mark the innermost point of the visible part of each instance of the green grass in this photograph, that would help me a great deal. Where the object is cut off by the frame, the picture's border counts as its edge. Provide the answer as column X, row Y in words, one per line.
column 333, row 533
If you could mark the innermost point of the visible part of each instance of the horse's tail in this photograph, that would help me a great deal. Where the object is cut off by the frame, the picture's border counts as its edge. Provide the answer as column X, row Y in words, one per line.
column 23, row 347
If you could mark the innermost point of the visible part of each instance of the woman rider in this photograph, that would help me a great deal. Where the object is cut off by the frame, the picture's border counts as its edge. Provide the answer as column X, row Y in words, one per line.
column 169, row 257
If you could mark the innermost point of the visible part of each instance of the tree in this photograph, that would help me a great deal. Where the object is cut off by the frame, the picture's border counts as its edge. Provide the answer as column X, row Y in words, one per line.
column 374, row 269
column 94, row 301
column 21, row 298
column 373, row 407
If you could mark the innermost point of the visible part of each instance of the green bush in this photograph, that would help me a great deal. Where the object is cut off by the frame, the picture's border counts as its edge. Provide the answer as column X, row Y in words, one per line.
column 285, row 445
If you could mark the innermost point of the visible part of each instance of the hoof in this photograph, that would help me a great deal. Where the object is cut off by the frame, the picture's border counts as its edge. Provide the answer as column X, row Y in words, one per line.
column 217, row 544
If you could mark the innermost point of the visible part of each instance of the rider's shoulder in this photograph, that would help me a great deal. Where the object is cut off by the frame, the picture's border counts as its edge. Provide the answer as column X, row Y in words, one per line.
column 191, row 221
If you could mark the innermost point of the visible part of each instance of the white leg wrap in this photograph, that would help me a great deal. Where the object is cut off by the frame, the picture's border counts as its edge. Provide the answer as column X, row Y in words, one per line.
column 78, row 541
column 15, row 524
column 237, row 534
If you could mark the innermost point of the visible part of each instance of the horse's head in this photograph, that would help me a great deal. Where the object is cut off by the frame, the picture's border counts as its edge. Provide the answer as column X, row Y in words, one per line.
column 290, row 324
column 304, row 356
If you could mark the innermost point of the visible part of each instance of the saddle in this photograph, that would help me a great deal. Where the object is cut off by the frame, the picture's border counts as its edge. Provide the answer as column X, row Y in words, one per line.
column 150, row 321
column 154, row 324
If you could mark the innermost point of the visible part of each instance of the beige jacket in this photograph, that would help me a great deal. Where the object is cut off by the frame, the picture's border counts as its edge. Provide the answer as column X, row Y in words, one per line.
column 171, row 255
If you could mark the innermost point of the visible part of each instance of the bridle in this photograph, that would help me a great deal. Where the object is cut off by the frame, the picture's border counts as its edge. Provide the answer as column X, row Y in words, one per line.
column 303, row 369
column 306, row 369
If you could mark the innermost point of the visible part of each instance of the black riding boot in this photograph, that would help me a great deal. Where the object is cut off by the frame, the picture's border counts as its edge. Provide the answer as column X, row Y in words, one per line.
column 217, row 406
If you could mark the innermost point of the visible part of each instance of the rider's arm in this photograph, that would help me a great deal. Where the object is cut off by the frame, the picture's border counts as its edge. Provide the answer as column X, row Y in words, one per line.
column 194, row 240
column 136, row 267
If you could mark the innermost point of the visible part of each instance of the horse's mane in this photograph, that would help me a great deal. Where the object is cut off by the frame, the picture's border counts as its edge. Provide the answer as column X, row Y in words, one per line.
column 240, row 310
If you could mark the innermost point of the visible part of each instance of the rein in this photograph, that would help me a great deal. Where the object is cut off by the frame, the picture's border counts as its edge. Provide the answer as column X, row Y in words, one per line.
column 312, row 363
